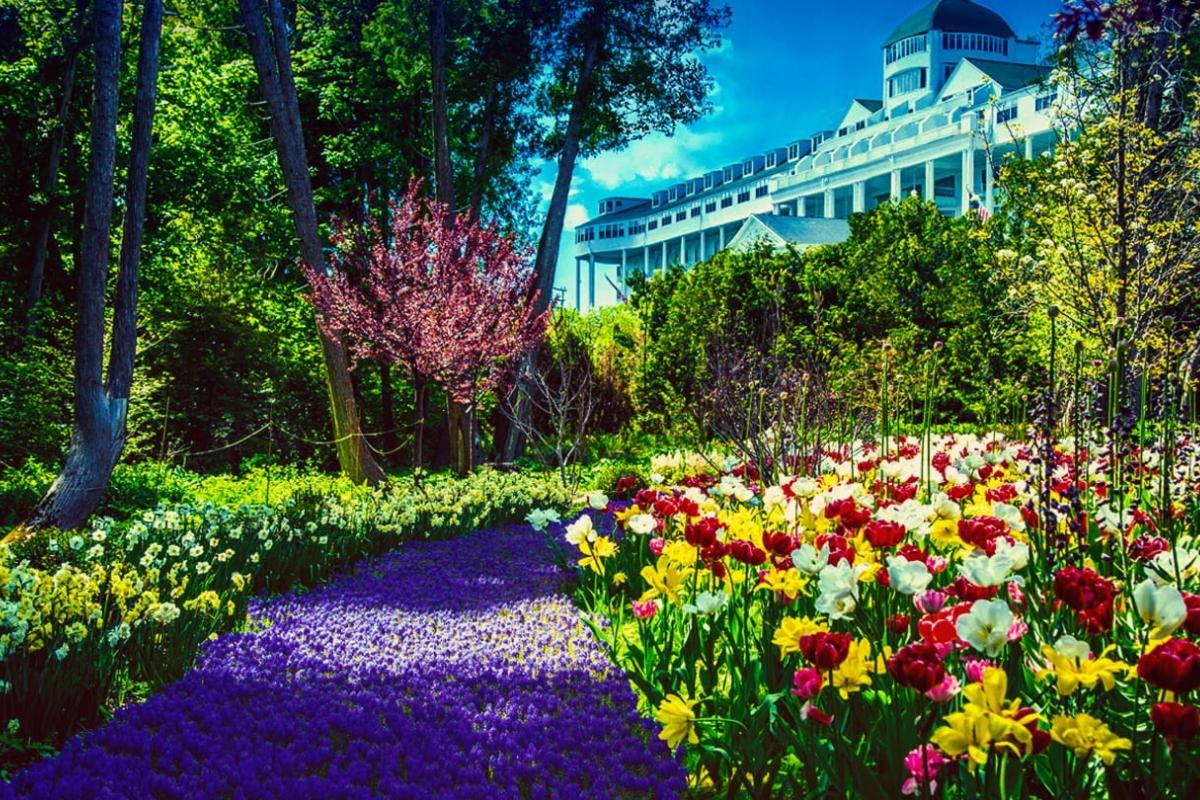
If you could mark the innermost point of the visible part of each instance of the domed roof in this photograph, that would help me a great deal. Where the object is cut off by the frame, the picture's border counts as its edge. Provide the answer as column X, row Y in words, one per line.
column 955, row 16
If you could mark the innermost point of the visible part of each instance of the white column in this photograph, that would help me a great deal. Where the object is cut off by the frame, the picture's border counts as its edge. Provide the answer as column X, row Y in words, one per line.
column 721, row 240
column 703, row 255
column 829, row 203
column 591, row 281
column 646, row 260
column 1029, row 147
column 663, row 265
column 895, row 191
column 968, row 177
column 624, row 273
column 860, row 196
column 929, row 179
column 578, row 284
column 801, row 210
column 989, row 194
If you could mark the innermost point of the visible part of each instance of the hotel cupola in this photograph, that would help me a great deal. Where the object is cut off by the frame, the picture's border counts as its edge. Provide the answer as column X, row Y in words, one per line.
column 924, row 49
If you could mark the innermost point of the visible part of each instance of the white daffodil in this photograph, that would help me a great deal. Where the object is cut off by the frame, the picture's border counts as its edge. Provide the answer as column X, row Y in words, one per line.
column 641, row 524
column 1180, row 563
column 1160, row 606
column 581, row 529
column 1070, row 647
column 707, row 603
column 774, row 497
column 838, row 587
column 598, row 500
column 1016, row 553
column 985, row 627
column 540, row 518
column 809, row 560
column 983, row 570
column 1010, row 515
column 908, row 577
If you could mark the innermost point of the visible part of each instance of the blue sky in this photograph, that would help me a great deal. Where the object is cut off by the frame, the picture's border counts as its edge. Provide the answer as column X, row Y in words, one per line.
column 786, row 68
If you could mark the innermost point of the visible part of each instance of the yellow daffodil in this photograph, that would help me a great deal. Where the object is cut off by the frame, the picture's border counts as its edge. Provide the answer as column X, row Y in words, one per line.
column 855, row 672
column 987, row 722
column 1088, row 736
column 681, row 553
column 619, row 579
column 678, row 720
column 595, row 552
column 787, row 635
column 664, row 579
column 944, row 533
column 788, row 581
column 1070, row 663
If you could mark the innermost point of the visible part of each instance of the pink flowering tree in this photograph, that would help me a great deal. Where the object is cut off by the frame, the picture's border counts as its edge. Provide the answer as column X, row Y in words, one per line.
column 447, row 302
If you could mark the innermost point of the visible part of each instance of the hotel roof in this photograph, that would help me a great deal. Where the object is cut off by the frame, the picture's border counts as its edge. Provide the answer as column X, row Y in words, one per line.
column 955, row 16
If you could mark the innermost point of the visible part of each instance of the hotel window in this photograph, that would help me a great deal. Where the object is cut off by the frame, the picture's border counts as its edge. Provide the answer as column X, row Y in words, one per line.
column 770, row 159
column 907, row 81
column 726, row 201
column 708, row 181
column 710, row 206
column 760, row 191
column 842, row 131
column 905, row 47
column 1004, row 115
column 695, row 212
column 666, row 220
column 1044, row 101
column 680, row 216
column 794, row 151
column 743, row 196
column 652, row 225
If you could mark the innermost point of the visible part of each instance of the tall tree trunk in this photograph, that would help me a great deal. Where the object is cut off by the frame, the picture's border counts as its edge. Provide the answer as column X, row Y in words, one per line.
column 457, row 414
column 546, row 261
column 420, row 393
column 443, row 168
column 483, row 151
column 387, row 399
column 44, row 218
column 101, row 407
column 273, row 64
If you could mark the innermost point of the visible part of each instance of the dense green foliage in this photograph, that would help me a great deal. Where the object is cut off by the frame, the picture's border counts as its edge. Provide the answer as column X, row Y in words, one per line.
column 907, row 276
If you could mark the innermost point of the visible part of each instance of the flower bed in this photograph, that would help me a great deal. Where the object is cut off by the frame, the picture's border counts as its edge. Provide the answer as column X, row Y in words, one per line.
column 968, row 621
column 449, row 669
column 86, row 617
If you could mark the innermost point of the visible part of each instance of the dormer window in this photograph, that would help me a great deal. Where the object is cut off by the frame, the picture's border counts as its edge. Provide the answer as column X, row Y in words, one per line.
column 708, row 181
column 770, row 159
column 728, row 174
column 674, row 194
column 793, row 151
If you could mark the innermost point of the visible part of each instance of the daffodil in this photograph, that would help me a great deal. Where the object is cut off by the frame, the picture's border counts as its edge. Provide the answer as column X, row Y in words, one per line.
column 1088, row 736
column 987, row 722
column 787, row 635
column 1071, row 663
column 789, row 582
column 678, row 720
column 664, row 579
column 594, row 553
column 855, row 671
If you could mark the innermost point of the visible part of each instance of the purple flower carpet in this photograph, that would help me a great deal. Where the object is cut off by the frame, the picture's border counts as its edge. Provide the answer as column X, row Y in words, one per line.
column 449, row 669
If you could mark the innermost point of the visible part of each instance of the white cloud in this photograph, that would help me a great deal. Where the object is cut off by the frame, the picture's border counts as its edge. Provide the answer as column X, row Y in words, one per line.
column 576, row 215
column 656, row 157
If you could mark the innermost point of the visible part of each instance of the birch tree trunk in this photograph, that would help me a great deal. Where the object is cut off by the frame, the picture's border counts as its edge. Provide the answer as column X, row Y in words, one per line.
column 101, row 406
column 273, row 64
column 547, row 251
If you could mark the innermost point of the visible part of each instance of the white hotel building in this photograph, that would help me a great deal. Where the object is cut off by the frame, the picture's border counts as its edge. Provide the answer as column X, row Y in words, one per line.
column 961, row 92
